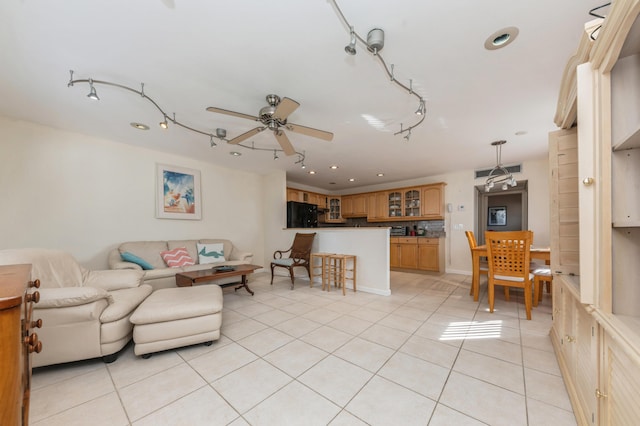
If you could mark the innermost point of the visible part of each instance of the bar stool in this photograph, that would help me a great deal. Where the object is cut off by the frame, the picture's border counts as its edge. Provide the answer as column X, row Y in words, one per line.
column 323, row 266
column 338, row 271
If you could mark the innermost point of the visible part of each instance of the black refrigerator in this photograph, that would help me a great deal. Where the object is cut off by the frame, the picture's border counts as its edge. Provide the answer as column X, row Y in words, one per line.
column 301, row 215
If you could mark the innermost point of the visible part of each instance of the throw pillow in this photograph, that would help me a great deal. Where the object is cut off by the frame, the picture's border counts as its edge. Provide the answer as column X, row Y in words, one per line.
column 211, row 253
column 177, row 257
column 130, row 257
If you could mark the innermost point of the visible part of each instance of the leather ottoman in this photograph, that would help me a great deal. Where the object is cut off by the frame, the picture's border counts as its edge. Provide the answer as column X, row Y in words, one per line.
column 175, row 317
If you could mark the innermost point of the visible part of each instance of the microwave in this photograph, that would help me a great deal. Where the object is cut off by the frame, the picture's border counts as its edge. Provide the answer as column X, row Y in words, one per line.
column 398, row 231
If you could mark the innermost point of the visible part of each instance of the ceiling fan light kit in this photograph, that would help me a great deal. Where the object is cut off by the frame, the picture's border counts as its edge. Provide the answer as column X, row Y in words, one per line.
column 274, row 116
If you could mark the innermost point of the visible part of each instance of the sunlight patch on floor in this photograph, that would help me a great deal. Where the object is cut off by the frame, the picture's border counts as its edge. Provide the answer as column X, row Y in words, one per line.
column 472, row 330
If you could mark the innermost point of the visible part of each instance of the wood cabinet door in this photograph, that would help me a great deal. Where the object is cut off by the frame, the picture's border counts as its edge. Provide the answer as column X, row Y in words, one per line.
column 360, row 202
column 432, row 202
column 394, row 255
column 346, row 205
column 408, row 256
column 293, row 195
column 428, row 257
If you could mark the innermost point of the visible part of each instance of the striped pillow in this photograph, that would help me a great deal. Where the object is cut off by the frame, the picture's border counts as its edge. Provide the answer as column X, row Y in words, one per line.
column 177, row 257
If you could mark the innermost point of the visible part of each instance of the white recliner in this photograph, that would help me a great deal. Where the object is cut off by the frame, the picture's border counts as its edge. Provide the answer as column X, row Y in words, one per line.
column 85, row 314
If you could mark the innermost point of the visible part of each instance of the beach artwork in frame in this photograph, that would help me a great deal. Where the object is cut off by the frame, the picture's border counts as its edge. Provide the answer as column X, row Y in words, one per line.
column 178, row 193
column 497, row 216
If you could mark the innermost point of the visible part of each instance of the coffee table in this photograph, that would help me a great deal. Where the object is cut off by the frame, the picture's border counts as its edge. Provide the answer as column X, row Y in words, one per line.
column 187, row 279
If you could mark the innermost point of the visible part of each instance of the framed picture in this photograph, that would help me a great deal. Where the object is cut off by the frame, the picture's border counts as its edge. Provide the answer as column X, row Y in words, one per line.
column 178, row 193
column 497, row 216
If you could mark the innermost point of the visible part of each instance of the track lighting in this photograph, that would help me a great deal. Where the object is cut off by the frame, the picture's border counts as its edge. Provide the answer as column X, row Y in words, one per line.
column 220, row 133
column 351, row 47
column 499, row 174
column 408, row 135
column 420, row 110
column 375, row 40
column 92, row 93
column 275, row 154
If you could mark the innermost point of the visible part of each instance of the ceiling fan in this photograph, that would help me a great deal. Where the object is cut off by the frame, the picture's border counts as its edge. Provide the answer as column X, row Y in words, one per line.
column 274, row 117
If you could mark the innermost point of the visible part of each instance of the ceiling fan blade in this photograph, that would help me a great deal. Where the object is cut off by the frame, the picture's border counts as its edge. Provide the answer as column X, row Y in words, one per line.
column 284, row 108
column 232, row 113
column 246, row 135
column 284, row 142
column 309, row 131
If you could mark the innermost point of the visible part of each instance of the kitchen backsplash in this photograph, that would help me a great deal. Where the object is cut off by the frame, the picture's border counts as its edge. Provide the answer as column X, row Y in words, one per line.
column 432, row 228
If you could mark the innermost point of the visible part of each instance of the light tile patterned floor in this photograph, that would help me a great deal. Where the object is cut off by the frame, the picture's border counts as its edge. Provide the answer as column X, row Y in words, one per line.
column 426, row 355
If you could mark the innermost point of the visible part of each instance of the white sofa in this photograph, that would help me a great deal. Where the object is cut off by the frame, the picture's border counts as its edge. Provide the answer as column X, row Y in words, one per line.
column 85, row 314
column 162, row 276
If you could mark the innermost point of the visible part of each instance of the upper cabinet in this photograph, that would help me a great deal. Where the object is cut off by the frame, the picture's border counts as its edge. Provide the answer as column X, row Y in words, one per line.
column 433, row 201
column 425, row 202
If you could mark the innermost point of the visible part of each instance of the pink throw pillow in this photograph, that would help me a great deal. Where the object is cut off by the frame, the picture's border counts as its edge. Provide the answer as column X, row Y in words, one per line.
column 177, row 257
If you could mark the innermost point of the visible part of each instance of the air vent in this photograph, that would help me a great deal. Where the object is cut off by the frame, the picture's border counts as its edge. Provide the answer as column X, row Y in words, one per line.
column 511, row 169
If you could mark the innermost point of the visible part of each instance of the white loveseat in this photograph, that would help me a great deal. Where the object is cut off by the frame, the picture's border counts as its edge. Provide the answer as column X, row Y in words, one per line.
column 162, row 276
column 85, row 314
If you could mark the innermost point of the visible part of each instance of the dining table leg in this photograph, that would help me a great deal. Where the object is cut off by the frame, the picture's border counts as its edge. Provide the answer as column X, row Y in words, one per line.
column 475, row 278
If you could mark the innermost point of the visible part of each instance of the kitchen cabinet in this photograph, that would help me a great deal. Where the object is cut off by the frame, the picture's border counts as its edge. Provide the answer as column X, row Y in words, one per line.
column 376, row 206
column 394, row 204
column 334, row 213
column 428, row 254
column 307, row 197
column 416, row 253
column 433, row 201
column 354, row 205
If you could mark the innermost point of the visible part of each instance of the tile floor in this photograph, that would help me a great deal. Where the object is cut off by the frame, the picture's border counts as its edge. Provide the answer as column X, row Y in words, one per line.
column 426, row 355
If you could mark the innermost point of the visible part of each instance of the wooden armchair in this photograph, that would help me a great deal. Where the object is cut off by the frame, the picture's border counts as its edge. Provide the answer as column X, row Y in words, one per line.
column 299, row 254
column 509, row 263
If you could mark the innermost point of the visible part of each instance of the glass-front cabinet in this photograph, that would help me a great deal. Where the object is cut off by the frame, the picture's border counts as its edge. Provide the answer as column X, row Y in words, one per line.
column 334, row 214
column 412, row 202
column 394, row 201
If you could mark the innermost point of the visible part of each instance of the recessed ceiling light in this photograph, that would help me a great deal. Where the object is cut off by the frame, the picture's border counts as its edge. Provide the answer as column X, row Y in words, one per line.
column 333, row 167
column 521, row 132
column 139, row 126
column 235, row 153
column 501, row 38
column 380, row 174
column 352, row 179
column 332, row 183
column 312, row 172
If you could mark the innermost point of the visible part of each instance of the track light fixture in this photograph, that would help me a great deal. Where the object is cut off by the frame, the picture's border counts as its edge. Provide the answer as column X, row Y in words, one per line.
column 275, row 154
column 499, row 174
column 219, row 133
column 351, row 47
column 375, row 43
column 92, row 93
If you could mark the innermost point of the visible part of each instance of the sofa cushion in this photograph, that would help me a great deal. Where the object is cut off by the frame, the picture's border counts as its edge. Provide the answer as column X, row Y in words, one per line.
column 54, row 268
column 113, row 279
column 210, row 253
column 147, row 250
column 177, row 257
column 130, row 257
column 226, row 244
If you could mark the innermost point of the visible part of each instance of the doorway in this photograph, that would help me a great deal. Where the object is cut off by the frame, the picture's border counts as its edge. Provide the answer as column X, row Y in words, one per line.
column 500, row 210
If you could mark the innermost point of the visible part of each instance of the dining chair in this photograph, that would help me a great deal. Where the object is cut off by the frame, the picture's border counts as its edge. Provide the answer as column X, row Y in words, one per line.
column 541, row 274
column 509, row 263
column 299, row 254
column 484, row 267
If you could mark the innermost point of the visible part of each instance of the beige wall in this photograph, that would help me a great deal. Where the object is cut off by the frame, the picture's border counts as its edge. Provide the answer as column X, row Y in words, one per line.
column 86, row 195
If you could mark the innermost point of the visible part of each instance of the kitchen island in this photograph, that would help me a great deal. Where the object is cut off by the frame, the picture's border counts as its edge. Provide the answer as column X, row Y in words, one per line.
column 369, row 244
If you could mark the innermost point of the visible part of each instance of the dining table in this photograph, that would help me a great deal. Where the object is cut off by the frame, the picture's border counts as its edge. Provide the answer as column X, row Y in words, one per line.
column 542, row 253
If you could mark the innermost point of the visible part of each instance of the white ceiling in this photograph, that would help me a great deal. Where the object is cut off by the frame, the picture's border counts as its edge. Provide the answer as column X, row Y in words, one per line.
column 191, row 54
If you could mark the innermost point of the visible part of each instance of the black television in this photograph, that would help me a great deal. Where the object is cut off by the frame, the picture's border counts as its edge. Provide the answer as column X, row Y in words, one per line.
column 301, row 215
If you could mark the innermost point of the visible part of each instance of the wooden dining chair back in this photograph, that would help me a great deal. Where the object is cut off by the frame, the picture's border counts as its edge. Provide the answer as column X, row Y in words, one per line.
column 509, row 263
column 298, row 255
column 484, row 267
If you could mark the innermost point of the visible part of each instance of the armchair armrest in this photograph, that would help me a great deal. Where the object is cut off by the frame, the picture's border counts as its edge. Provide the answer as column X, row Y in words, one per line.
column 278, row 253
column 113, row 279
column 71, row 296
